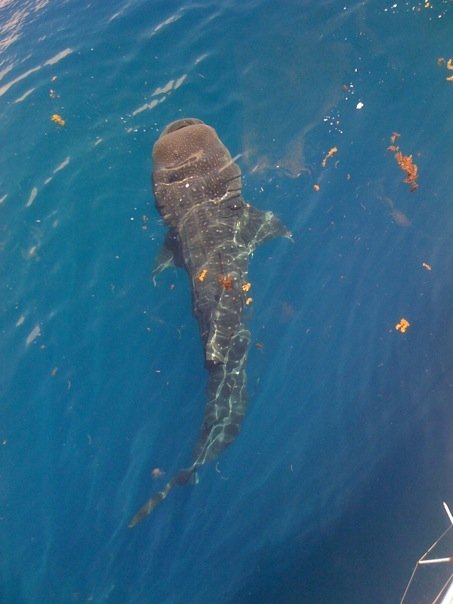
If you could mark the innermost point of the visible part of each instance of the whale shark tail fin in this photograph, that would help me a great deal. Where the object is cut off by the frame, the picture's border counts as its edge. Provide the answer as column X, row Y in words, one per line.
column 183, row 477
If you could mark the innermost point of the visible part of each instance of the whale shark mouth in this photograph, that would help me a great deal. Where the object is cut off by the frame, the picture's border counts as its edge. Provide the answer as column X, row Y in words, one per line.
column 179, row 124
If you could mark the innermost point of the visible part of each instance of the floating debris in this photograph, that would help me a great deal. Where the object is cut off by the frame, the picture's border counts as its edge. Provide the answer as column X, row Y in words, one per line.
column 328, row 155
column 407, row 165
column 202, row 275
column 58, row 119
column 394, row 137
column 405, row 162
column 403, row 325
column 448, row 64
column 316, row 188
column 427, row 266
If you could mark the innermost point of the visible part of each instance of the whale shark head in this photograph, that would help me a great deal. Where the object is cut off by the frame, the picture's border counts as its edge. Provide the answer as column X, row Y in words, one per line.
column 182, row 141
column 191, row 165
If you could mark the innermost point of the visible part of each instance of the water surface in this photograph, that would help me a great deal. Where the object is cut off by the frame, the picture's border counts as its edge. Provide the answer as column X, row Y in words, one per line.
column 334, row 487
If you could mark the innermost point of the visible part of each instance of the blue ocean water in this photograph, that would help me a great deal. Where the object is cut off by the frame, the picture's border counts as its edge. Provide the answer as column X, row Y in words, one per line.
column 334, row 487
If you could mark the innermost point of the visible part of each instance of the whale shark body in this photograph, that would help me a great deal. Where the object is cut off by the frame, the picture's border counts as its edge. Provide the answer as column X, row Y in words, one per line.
column 211, row 233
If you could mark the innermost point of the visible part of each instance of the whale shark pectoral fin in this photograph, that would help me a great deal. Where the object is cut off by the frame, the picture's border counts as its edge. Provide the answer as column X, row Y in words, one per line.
column 169, row 256
column 164, row 260
column 262, row 226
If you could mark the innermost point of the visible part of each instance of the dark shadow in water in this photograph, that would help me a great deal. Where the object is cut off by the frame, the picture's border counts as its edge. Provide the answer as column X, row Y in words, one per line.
column 297, row 84
column 368, row 556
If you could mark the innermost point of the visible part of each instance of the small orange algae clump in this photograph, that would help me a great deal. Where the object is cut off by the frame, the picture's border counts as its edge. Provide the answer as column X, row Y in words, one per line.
column 249, row 301
column 407, row 165
column 202, row 275
column 57, row 119
column 246, row 287
column 403, row 325
column 448, row 64
column 226, row 281
column 405, row 162
column 328, row 155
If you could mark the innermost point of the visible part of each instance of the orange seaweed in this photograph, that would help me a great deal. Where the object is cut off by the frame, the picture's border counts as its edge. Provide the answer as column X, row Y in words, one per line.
column 328, row 155
column 403, row 325
column 405, row 162
column 407, row 165
column 202, row 275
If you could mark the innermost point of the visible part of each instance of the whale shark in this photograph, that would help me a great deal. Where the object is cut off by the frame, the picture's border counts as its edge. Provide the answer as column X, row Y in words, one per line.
column 211, row 233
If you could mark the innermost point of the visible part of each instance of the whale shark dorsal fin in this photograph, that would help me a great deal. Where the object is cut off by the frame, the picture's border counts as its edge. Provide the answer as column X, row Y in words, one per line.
column 262, row 226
